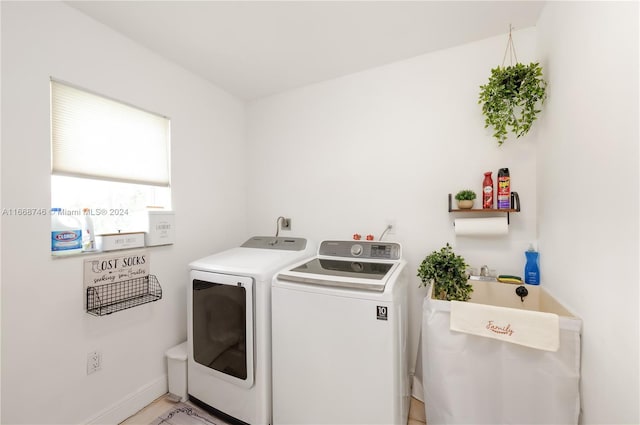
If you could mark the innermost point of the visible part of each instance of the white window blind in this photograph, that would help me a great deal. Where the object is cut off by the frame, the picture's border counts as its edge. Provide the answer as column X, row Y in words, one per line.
column 99, row 138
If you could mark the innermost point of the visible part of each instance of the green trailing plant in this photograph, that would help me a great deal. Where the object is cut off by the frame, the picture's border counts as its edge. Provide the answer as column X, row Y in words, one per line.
column 446, row 271
column 511, row 98
column 465, row 195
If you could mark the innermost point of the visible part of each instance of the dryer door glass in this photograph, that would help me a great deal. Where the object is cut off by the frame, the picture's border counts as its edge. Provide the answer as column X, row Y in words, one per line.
column 219, row 327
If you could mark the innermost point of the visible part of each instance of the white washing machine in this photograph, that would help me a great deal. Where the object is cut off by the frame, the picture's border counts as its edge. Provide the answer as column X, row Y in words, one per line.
column 229, row 326
column 339, row 347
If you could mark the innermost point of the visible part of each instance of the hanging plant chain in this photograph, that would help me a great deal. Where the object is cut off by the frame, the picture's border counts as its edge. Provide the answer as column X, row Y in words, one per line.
column 511, row 49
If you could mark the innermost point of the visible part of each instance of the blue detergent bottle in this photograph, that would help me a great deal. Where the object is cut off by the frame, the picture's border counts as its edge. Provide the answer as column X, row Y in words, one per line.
column 532, row 266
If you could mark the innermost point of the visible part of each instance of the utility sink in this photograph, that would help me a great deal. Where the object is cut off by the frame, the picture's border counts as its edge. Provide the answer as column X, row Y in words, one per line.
column 479, row 374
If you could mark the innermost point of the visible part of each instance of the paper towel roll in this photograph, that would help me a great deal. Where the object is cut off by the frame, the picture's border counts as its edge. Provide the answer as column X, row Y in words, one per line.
column 486, row 226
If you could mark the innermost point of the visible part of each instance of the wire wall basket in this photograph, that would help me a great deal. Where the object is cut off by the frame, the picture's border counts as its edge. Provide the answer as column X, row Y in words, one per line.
column 112, row 297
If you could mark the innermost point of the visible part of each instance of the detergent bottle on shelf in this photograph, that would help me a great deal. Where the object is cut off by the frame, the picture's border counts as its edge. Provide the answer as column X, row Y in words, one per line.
column 532, row 266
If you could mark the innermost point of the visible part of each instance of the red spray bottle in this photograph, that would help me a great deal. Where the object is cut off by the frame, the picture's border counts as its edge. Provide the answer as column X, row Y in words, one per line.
column 487, row 191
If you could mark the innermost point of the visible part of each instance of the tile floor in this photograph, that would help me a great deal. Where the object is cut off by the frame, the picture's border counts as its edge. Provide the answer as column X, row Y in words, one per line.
column 151, row 412
column 416, row 413
column 162, row 404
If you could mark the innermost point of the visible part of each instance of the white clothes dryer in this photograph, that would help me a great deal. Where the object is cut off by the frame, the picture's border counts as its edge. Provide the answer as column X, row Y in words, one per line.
column 229, row 326
column 339, row 342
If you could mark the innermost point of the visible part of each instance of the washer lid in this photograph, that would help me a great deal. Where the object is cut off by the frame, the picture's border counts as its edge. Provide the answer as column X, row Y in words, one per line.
column 345, row 268
column 364, row 275
column 259, row 263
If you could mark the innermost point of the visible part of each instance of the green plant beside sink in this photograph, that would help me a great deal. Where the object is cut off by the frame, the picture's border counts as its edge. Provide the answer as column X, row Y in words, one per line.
column 465, row 198
column 446, row 271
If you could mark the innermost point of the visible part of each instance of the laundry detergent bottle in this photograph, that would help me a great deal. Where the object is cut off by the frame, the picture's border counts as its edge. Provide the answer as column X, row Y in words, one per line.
column 532, row 266
column 66, row 233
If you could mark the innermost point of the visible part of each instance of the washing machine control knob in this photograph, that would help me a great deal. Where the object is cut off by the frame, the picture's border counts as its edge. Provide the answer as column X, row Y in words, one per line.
column 356, row 250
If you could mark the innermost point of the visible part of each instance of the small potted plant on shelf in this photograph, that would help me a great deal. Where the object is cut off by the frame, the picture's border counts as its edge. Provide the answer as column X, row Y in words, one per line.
column 446, row 271
column 465, row 198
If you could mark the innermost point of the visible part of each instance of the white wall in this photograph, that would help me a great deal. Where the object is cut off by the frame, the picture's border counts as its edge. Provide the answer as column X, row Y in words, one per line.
column 46, row 334
column 343, row 156
column 588, row 192
column 338, row 157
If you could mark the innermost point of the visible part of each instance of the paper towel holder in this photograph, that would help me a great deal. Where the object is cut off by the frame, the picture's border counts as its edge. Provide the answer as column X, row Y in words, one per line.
column 515, row 204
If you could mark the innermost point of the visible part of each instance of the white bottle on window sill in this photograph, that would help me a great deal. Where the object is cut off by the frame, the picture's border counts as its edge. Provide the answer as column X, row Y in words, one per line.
column 88, row 236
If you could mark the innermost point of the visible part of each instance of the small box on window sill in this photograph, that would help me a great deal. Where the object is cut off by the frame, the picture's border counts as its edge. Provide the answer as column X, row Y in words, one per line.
column 115, row 241
column 159, row 228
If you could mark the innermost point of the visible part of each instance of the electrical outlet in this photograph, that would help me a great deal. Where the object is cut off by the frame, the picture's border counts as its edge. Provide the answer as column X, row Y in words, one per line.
column 285, row 224
column 391, row 225
column 94, row 362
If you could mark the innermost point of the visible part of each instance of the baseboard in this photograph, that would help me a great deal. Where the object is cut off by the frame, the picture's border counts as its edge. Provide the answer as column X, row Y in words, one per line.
column 131, row 404
column 417, row 390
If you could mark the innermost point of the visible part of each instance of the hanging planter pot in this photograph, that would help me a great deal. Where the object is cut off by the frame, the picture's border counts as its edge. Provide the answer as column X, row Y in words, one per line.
column 511, row 98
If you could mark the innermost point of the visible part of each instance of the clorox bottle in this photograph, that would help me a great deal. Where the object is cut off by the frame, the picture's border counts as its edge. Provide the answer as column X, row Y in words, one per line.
column 66, row 233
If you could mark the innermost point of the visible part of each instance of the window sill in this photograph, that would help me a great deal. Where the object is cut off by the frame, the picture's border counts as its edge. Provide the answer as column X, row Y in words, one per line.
column 96, row 252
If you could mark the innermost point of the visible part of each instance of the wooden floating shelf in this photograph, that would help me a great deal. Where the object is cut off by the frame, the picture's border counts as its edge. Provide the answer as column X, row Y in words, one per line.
column 487, row 210
column 515, row 203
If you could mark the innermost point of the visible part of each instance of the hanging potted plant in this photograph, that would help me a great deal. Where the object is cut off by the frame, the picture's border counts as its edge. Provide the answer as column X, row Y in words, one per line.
column 511, row 97
column 446, row 271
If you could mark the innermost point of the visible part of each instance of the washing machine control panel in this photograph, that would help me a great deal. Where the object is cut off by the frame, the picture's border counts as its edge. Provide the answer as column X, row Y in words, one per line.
column 361, row 249
column 381, row 251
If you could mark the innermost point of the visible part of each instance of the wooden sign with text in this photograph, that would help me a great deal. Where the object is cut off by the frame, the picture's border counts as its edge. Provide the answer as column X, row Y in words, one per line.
column 116, row 268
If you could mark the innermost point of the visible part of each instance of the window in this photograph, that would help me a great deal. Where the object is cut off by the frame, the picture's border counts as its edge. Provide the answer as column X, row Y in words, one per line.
column 107, row 156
